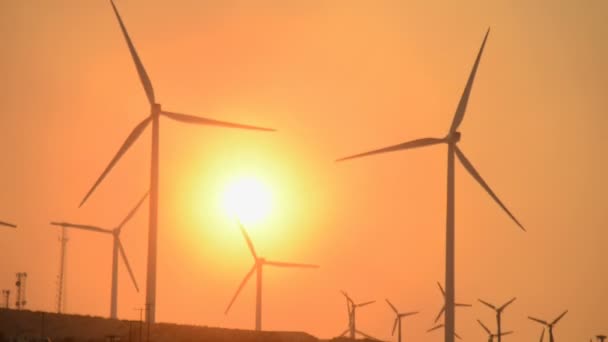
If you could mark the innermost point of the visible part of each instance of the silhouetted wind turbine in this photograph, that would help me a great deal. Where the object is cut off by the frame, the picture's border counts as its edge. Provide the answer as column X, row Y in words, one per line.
column 155, row 113
column 490, row 335
column 549, row 325
column 451, row 139
column 259, row 263
column 352, row 310
column 498, row 314
column 6, row 224
column 116, row 248
column 398, row 318
column 443, row 308
column 441, row 326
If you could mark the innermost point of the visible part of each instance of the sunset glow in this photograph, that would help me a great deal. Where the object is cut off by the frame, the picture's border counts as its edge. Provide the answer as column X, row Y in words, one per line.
column 247, row 199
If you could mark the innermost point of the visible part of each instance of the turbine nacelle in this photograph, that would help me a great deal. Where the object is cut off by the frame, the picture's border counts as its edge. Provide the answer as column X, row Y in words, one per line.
column 453, row 137
column 155, row 109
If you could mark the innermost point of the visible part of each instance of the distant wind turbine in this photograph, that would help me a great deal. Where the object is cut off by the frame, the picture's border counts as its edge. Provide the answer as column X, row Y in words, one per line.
column 155, row 113
column 491, row 335
column 398, row 318
column 451, row 139
column 498, row 314
column 257, row 267
column 6, row 224
column 351, row 307
column 549, row 325
column 443, row 308
column 116, row 248
column 441, row 326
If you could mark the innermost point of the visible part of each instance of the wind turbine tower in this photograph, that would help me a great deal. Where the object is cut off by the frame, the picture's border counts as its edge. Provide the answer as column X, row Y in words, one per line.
column 21, row 278
column 61, row 295
column 6, row 294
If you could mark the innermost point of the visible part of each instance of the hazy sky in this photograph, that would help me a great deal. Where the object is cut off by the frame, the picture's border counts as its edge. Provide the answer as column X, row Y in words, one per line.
column 335, row 78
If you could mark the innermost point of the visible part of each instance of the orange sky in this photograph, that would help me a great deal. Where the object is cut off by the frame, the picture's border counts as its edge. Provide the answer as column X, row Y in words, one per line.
column 335, row 78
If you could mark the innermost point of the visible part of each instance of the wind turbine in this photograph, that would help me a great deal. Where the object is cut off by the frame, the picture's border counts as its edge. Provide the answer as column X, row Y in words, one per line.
column 443, row 308
column 154, row 118
column 6, row 224
column 498, row 314
column 259, row 263
column 351, row 307
column 549, row 325
column 116, row 248
column 398, row 318
column 441, row 326
column 490, row 335
column 451, row 139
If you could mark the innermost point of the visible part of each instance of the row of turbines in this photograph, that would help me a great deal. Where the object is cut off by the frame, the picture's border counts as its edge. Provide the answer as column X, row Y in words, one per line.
column 352, row 330
column 454, row 152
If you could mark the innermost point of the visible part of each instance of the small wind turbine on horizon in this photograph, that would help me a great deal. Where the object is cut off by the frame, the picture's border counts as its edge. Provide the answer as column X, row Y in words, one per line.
column 491, row 335
column 443, row 308
column 116, row 248
column 6, row 224
column 499, row 311
column 549, row 325
column 153, row 117
column 259, row 263
column 351, row 307
column 451, row 139
column 398, row 317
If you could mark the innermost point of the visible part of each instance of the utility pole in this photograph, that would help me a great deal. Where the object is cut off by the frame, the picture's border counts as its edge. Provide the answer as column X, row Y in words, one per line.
column 6, row 294
column 21, row 278
column 61, row 278
column 141, row 314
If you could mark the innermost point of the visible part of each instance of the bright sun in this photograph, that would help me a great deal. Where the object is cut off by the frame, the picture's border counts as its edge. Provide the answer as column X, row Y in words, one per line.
column 247, row 199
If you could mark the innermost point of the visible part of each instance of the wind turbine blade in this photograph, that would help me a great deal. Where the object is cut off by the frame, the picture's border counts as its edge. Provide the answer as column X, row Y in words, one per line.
column 249, row 274
column 2, row 223
column 469, row 167
column 248, row 240
column 141, row 71
column 366, row 335
column 366, row 303
column 538, row 320
column 124, row 258
column 465, row 305
column 542, row 335
column 464, row 99
column 395, row 326
column 404, row 146
column 487, row 304
column 507, row 303
column 484, row 327
column 210, row 122
column 435, row 328
column 125, row 146
column 133, row 211
column 344, row 333
column 348, row 299
column 457, row 336
column 560, row 317
column 82, row 226
column 440, row 313
column 392, row 306
column 289, row 264
column 408, row 314
column 441, row 289
column 506, row 333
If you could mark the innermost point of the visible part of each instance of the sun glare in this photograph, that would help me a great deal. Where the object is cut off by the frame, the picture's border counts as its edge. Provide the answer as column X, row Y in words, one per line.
column 247, row 199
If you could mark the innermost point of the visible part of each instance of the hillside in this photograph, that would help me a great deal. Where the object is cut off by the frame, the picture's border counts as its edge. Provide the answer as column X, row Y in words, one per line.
column 75, row 328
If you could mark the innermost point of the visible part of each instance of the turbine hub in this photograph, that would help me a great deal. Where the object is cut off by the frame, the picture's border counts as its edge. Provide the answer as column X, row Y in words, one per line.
column 453, row 138
column 155, row 109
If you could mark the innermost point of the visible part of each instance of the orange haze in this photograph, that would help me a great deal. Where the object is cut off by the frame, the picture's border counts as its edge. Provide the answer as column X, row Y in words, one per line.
column 334, row 78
